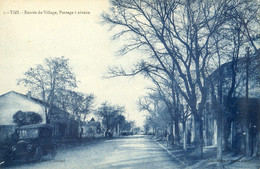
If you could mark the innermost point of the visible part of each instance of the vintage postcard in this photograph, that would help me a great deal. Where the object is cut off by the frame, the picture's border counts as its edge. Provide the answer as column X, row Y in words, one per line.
column 129, row 84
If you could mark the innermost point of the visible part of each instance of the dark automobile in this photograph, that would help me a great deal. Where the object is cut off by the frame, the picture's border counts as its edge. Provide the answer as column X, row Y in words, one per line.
column 33, row 141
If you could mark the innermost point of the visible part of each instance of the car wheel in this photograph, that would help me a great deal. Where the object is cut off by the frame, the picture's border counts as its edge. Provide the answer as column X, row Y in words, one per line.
column 8, row 159
column 38, row 153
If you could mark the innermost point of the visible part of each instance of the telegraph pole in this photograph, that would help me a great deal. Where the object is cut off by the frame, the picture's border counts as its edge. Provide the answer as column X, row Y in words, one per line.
column 247, row 101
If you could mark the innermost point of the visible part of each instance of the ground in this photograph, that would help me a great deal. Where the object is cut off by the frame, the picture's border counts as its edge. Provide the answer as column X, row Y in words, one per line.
column 140, row 152
column 124, row 152
column 209, row 161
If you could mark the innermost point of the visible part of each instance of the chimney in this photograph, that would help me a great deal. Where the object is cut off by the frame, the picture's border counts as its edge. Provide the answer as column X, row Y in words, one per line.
column 29, row 94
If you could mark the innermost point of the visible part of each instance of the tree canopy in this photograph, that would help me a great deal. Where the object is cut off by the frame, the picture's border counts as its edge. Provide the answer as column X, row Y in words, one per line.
column 48, row 79
column 111, row 115
column 26, row 118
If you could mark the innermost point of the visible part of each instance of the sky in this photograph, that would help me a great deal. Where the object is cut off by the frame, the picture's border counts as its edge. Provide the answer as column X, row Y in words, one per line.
column 72, row 29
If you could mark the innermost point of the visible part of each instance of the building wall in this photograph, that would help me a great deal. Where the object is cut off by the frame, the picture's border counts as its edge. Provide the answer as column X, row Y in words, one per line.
column 89, row 131
column 12, row 102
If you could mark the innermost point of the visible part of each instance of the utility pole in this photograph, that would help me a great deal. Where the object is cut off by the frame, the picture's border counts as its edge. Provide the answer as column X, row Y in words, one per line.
column 247, row 102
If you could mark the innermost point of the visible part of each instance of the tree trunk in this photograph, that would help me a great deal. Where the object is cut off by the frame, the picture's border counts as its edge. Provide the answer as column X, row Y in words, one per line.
column 171, row 140
column 247, row 104
column 198, row 135
column 47, row 119
column 184, row 136
column 227, row 128
column 232, row 136
column 201, row 138
column 69, row 127
column 219, row 140
column 248, row 153
column 176, row 131
column 118, row 130
column 256, row 146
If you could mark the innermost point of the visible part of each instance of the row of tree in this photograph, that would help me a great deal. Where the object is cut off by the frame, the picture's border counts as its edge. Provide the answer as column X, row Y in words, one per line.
column 184, row 42
column 113, row 118
column 54, row 83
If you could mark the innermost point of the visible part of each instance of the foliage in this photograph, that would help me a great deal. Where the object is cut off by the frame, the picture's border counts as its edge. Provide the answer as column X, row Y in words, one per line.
column 111, row 115
column 48, row 79
column 147, row 126
column 120, row 119
column 128, row 126
column 77, row 103
column 26, row 118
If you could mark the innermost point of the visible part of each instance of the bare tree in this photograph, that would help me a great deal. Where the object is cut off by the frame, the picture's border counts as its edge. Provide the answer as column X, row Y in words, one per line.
column 147, row 104
column 49, row 78
column 109, row 114
column 229, row 43
column 176, row 35
column 80, row 104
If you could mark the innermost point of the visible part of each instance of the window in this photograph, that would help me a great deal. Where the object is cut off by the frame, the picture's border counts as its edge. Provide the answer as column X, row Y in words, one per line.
column 29, row 133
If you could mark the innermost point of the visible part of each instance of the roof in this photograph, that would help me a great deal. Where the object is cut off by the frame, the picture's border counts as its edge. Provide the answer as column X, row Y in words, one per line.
column 38, row 101
column 93, row 123
column 242, row 62
column 32, row 126
column 29, row 98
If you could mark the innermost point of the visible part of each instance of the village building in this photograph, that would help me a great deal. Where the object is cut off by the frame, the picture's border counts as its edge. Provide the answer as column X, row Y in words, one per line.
column 90, row 129
column 12, row 102
column 234, row 127
column 237, row 108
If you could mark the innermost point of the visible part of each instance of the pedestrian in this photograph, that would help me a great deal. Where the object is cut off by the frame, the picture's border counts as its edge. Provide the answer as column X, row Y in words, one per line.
column 172, row 139
column 189, row 138
column 167, row 138
column 80, row 134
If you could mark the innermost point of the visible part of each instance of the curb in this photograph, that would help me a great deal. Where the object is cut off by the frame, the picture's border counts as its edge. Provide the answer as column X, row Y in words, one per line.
column 172, row 155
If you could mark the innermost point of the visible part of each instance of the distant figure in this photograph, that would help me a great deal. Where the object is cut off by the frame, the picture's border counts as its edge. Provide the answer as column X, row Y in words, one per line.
column 167, row 139
column 189, row 138
column 80, row 134
column 170, row 139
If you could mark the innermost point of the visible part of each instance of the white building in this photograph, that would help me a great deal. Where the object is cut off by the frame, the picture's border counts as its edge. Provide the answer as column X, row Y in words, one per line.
column 12, row 102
